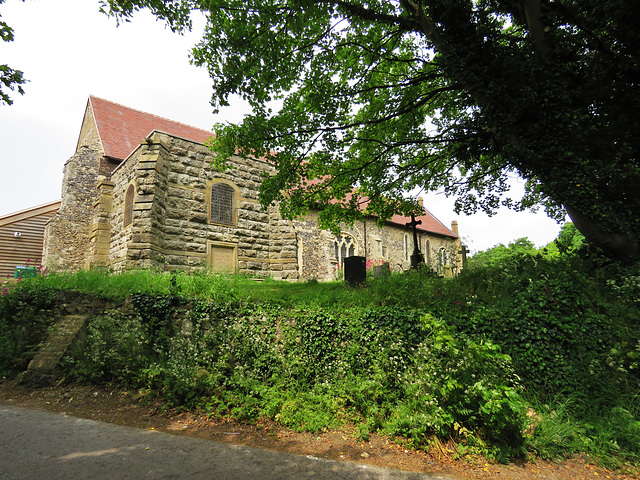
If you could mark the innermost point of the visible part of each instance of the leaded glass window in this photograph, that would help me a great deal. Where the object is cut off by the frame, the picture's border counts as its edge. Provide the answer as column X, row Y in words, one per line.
column 222, row 204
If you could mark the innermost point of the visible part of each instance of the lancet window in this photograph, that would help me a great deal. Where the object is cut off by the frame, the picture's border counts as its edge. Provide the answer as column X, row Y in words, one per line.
column 128, row 206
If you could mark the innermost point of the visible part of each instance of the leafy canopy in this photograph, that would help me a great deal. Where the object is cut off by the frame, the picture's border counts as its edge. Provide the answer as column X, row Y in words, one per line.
column 10, row 78
column 457, row 95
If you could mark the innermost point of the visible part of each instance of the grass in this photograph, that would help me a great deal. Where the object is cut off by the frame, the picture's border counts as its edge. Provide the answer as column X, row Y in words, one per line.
column 213, row 287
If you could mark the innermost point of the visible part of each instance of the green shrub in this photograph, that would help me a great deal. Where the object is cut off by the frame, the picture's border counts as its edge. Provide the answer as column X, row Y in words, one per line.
column 27, row 311
column 559, row 321
column 457, row 383
column 114, row 351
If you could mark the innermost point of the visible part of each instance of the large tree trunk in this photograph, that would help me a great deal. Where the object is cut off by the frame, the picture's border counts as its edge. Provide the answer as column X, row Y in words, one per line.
column 615, row 245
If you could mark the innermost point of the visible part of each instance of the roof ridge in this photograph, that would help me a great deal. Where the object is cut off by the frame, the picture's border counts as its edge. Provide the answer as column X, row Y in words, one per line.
column 147, row 113
column 438, row 220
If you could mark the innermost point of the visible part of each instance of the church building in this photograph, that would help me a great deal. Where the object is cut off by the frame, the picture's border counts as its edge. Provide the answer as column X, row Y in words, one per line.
column 141, row 192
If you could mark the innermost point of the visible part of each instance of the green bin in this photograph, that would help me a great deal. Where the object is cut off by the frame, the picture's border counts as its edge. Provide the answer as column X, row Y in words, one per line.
column 24, row 272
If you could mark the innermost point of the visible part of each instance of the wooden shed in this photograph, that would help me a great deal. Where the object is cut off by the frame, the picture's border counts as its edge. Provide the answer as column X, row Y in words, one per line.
column 22, row 236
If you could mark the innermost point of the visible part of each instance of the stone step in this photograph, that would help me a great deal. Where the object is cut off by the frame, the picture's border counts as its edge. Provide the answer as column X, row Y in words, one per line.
column 44, row 369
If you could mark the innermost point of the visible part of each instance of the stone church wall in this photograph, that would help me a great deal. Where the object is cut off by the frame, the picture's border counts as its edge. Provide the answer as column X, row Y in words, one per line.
column 121, row 236
column 283, row 250
column 394, row 244
column 388, row 243
column 68, row 233
column 316, row 252
column 171, row 227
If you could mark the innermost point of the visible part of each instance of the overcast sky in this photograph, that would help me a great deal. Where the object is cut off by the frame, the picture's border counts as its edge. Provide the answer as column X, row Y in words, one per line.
column 68, row 50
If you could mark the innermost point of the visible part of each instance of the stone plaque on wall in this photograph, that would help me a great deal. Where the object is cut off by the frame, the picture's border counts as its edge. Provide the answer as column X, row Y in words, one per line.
column 222, row 258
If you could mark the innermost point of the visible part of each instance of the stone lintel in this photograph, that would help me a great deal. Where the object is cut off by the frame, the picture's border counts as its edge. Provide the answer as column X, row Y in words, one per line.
column 142, row 206
column 144, row 198
column 147, row 165
column 105, row 184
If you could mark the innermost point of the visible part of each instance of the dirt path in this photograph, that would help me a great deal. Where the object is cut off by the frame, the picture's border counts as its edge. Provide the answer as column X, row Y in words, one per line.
column 122, row 408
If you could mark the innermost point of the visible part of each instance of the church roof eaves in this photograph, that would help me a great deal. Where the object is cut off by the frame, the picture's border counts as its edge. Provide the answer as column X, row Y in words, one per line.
column 430, row 224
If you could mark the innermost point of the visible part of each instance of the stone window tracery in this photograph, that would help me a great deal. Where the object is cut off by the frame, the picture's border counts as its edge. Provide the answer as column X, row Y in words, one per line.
column 381, row 249
column 344, row 247
column 442, row 259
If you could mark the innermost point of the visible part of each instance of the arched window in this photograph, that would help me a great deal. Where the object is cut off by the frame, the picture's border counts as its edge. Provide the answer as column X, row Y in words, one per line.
column 442, row 258
column 344, row 247
column 128, row 206
column 222, row 204
column 428, row 248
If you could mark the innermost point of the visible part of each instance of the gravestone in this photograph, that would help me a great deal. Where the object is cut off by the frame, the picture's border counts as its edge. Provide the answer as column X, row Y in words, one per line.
column 381, row 270
column 355, row 270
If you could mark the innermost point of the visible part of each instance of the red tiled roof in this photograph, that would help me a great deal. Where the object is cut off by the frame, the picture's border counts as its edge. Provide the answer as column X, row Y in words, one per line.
column 121, row 129
column 429, row 224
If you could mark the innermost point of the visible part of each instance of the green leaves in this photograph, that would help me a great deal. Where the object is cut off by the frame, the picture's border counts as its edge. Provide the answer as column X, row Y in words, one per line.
column 389, row 97
column 10, row 78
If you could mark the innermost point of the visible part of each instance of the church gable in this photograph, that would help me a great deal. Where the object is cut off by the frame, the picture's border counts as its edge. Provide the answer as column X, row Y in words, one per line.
column 121, row 129
column 89, row 135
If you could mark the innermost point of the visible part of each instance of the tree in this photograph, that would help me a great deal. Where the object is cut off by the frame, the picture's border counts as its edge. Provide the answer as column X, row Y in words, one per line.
column 498, row 254
column 569, row 240
column 9, row 78
column 387, row 96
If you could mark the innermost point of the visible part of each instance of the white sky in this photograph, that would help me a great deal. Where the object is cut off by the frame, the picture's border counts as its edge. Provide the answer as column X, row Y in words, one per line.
column 68, row 50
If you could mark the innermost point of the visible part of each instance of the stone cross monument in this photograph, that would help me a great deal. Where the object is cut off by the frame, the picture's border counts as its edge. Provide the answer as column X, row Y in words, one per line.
column 416, row 257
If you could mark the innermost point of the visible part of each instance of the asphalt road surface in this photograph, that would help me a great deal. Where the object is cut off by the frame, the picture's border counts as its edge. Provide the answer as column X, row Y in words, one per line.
column 38, row 445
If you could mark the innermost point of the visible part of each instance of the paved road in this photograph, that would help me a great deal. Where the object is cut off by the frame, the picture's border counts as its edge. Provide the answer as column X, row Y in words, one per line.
column 37, row 445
